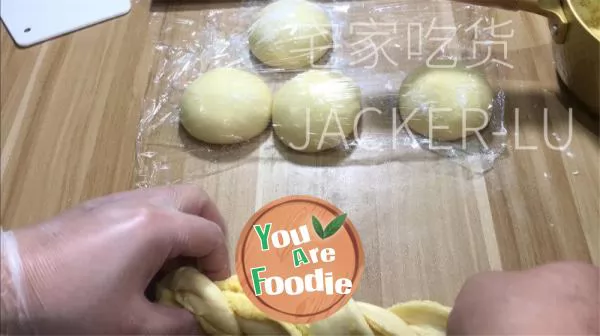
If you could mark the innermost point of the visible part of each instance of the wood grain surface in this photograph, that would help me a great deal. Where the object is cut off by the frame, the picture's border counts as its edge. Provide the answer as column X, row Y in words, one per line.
column 71, row 107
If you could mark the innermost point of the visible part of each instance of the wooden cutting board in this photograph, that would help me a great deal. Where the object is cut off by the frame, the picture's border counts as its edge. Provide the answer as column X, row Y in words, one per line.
column 33, row 21
column 70, row 117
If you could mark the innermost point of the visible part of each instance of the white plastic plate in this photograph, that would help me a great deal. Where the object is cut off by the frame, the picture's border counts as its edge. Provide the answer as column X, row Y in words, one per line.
column 33, row 21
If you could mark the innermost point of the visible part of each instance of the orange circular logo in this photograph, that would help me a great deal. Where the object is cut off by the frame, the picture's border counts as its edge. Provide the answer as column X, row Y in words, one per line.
column 299, row 259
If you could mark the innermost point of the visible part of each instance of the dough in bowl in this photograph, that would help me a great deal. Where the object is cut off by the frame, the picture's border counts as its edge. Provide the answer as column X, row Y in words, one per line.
column 316, row 110
column 291, row 34
column 226, row 106
column 447, row 96
column 589, row 11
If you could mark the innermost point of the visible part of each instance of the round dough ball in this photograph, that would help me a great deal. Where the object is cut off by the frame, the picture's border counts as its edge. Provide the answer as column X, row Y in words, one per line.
column 310, row 105
column 226, row 106
column 291, row 34
column 456, row 90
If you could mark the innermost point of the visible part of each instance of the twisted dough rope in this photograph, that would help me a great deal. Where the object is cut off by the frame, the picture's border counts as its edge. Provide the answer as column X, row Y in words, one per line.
column 222, row 308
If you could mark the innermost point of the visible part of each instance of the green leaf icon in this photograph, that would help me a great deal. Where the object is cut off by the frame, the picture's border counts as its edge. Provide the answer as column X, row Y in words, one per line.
column 331, row 229
column 334, row 226
column 318, row 227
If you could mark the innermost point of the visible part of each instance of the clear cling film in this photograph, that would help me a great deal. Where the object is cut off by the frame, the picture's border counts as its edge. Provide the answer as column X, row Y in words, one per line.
column 371, row 46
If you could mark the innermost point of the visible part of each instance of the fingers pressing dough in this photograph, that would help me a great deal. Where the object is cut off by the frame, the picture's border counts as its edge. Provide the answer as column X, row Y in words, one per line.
column 196, row 293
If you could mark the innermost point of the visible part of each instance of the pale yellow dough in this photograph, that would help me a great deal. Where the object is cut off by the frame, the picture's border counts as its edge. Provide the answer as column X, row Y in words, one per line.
column 226, row 106
column 316, row 110
column 222, row 308
column 464, row 94
column 291, row 34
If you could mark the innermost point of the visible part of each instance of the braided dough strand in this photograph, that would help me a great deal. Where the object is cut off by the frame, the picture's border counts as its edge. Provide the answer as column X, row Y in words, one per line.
column 222, row 308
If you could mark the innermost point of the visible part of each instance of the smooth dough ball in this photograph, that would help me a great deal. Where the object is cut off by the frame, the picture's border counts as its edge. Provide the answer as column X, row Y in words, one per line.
column 306, row 110
column 291, row 34
column 226, row 106
column 453, row 89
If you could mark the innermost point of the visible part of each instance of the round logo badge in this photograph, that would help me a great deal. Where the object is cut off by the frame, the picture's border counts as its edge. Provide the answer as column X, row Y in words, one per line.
column 299, row 259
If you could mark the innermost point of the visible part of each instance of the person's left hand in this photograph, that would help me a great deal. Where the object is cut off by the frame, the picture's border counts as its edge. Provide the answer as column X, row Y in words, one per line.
column 86, row 271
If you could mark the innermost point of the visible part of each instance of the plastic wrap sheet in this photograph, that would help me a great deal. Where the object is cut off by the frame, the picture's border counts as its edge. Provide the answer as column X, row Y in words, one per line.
column 376, row 43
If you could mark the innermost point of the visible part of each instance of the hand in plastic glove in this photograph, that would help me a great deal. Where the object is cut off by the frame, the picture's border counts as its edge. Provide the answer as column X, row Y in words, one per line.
column 554, row 299
column 85, row 271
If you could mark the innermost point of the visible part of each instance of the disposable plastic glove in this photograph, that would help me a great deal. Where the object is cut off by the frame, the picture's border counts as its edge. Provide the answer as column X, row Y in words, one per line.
column 85, row 272
column 554, row 299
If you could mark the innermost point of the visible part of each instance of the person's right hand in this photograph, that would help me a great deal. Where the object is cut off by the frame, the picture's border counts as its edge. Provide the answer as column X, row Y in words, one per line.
column 555, row 299
column 85, row 271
